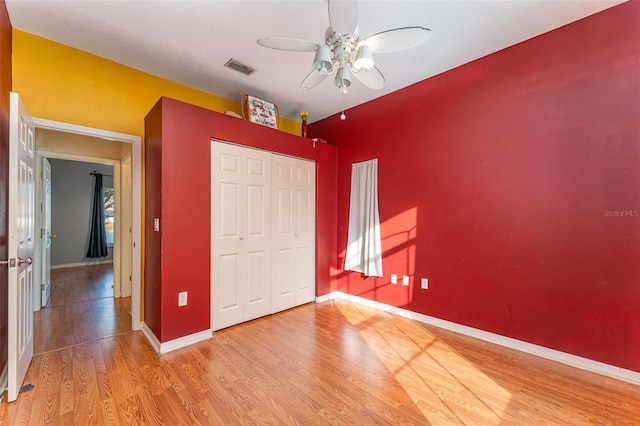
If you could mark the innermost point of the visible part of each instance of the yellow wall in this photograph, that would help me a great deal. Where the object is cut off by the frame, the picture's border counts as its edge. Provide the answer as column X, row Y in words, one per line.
column 82, row 145
column 60, row 83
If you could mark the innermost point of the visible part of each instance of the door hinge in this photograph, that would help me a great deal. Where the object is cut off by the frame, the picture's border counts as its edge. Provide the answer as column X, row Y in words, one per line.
column 129, row 277
column 41, row 287
column 43, row 232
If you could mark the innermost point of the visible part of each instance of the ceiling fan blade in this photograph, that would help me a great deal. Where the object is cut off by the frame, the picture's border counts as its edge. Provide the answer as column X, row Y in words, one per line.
column 313, row 79
column 397, row 39
column 371, row 78
column 289, row 44
column 343, row 16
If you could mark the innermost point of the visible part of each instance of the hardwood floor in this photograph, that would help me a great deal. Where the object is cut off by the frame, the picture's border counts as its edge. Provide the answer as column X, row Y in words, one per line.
column 81, row 308
column 329, row 363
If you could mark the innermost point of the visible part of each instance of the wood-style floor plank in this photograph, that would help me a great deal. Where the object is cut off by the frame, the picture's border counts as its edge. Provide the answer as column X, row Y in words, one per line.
column 81, row 308
column 331, row 363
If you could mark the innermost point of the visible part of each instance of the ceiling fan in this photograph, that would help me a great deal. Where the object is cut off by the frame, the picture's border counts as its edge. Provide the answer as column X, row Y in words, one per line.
column 345, row 52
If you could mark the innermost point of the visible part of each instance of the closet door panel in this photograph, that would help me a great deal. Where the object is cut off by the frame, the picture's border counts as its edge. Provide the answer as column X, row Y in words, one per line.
column 305, row 274
column 294, row 231
column 304, row 217
column 257, row 238
column 229, row 203
column 228, row 297
column 240, row 209
column 256, row 211
column 283, row 234
column 283, row 289
column 258, row 298
column 305, row 283
column 226, row 249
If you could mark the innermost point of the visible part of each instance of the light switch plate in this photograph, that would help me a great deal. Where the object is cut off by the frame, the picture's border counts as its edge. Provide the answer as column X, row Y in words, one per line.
column 394, row 279
column 405, row 280
column 182, row 298
column 425, row 283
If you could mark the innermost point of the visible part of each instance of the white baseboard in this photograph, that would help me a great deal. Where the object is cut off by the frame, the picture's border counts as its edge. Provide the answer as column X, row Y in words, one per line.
column 330, row 296
column 172, row 345
column 151, row 338
column 76, row 265
column 552, row 354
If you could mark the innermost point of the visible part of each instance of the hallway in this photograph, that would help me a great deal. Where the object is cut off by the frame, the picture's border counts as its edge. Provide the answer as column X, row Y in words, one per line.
column 81, row 309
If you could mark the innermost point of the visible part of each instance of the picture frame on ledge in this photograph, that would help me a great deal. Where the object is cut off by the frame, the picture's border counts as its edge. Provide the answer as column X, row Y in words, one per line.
column 260, row 111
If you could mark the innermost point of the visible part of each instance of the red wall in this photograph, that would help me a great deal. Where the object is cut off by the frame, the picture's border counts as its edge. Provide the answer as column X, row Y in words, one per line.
column 513, row 184
column 152, row 209
column 5, row 89
column 177, row 259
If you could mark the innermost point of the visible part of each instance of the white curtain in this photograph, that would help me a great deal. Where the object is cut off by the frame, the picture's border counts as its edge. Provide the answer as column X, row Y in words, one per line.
column 364, row 249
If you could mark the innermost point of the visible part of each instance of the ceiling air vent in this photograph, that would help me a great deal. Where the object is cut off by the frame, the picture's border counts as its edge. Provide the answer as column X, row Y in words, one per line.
column 235, row 65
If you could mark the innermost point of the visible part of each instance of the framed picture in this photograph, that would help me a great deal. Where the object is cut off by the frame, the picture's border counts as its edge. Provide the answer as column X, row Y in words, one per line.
column 260, row 111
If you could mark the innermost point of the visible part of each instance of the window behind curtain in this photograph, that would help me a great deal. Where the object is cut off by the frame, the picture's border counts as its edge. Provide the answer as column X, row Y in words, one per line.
column 109, row 217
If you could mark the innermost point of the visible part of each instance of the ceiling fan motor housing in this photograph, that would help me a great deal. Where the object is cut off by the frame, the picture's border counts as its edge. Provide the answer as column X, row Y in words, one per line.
column 333, row 38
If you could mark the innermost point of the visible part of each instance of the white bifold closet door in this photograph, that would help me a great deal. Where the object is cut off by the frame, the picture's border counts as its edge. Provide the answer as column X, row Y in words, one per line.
column 262, row 233
column 294, row 229
column 241, row 238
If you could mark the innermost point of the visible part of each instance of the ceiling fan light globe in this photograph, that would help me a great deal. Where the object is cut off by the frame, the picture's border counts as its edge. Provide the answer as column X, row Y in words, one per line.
column 322, row 68
column 364, row 58
column 322, row 61
column 342, row 80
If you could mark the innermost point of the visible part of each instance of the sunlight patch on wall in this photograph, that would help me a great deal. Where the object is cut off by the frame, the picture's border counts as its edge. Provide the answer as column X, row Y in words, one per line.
column 399, row 234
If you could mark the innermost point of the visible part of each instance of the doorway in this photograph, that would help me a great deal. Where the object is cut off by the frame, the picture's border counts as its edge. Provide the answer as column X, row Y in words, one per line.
column 125, row 152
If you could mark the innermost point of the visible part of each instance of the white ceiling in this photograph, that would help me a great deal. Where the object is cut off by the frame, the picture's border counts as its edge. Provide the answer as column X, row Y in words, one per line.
column 188, row 42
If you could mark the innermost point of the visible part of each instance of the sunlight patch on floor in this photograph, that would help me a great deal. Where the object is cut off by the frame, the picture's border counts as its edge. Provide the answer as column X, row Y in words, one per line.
column 456, row 393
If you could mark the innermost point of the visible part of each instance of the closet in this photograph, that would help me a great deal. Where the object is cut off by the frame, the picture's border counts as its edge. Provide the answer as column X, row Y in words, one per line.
column 262, row 233
column 281, row 261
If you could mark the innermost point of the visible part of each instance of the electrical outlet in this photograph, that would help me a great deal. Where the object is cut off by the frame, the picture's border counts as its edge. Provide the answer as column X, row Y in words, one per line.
column 425, row 283
column 405, row 280
column 394, row 279
column 182, row 298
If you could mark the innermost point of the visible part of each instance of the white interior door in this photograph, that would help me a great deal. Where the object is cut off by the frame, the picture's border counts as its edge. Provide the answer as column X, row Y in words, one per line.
column 256, row 249
column 21, row 244
column 124, row 228
column 240, row 234
column 45, row 233
column 305, row 241
column 294, row 230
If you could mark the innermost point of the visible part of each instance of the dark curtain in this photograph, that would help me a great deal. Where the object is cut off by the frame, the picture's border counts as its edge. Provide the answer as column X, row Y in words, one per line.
column 98, row 236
